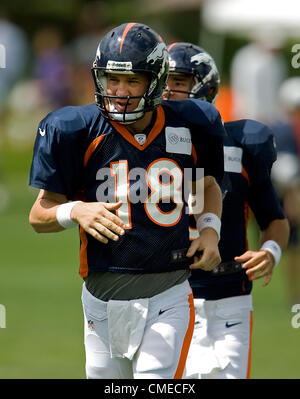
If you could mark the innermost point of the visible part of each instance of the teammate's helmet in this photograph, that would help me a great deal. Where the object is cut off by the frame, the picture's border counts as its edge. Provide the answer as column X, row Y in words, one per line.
column 192, row 60
column 131, row 48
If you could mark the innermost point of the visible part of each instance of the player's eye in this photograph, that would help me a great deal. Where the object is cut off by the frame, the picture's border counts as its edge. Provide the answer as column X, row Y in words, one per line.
column 134, row 81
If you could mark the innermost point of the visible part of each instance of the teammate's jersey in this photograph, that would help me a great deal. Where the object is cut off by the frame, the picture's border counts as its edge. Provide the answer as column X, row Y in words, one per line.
column 286, row 169
column 285, row 137
column 81, row 154
column 249, row 153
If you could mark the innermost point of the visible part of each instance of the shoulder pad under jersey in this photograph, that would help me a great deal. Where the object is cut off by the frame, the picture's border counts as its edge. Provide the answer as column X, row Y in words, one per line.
column 254, row 137
column 69, row 119
column 197, row 112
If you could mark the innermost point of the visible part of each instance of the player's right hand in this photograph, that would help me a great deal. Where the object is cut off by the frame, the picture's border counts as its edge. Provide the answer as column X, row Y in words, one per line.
column 207, row 245
column 97, row 219
column 257, row 264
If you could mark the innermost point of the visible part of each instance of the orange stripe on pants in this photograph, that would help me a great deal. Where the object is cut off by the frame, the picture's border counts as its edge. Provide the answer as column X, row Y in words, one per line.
column 187, row 340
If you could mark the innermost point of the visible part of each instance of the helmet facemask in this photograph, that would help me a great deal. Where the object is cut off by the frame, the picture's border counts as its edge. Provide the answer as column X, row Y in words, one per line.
column 130, row 48
column 189, row 93
column 106, row 101
column 197, row 88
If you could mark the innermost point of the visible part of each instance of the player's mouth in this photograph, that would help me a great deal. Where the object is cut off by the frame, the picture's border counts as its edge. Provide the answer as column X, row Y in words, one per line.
column 122, row 105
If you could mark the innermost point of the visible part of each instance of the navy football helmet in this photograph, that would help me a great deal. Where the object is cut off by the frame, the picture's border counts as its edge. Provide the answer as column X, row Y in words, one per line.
column 131, row 48
column 193, row 60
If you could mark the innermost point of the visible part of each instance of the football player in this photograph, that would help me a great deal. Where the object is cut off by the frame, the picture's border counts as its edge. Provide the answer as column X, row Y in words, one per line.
column 221, row 344
column 118, row 170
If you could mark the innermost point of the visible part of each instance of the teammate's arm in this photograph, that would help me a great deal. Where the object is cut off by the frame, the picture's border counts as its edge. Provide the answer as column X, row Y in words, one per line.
column 266, row 207
column 208, row 240
column 96, row 218
column 278, row 230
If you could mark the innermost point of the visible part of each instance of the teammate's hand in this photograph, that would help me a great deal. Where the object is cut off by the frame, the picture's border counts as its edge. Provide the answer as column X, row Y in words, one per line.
column 207, row 244
column 258, row 264
column 97, row 219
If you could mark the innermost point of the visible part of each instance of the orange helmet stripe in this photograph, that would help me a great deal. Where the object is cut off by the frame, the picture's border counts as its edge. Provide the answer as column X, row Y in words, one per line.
column 171, row 45
column 126, row 30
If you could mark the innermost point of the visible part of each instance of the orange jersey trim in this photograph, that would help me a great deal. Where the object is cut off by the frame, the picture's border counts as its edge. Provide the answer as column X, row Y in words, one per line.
column 126, row 30
column 84, row 268
column 194, row 154
column 245, row 174
column 91, row 148
column 157, row 128
column 187, row 340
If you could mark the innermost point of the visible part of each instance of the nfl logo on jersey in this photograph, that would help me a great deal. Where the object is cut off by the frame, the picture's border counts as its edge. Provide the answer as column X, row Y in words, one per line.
column 140, row 138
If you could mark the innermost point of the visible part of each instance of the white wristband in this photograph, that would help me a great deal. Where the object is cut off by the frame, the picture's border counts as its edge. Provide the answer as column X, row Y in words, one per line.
column 272, row 247
column 209, row 220
column 63, row 215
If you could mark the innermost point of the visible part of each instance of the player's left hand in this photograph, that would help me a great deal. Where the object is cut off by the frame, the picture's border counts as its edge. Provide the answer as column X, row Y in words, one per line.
column 207, row 244
column 258, row 264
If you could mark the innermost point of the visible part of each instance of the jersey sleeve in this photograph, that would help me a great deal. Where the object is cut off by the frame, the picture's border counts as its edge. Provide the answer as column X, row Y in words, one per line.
column 208, row 136
column 57, row 156
column 265, row 204
column 259, row 151
column 259, row 154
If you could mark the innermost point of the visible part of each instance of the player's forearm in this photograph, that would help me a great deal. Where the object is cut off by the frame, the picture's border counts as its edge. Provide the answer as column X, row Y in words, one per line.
column 42, row 216
column 212, row 205
column 278, row 230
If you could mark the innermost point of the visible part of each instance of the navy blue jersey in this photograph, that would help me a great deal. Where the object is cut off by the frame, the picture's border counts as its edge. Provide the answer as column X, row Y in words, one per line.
column 83, row 155
column 249, row 153
column 285, row 137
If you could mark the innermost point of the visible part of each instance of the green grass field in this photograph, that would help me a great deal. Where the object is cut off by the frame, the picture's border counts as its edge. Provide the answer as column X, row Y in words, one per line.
column 40, row 289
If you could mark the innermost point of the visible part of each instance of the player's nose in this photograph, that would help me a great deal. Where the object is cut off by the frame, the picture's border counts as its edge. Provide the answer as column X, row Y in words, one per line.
column 122, row 90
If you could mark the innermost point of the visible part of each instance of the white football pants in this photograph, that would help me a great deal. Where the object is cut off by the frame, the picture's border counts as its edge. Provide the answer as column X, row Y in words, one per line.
column 143, row 338
column 221, row 343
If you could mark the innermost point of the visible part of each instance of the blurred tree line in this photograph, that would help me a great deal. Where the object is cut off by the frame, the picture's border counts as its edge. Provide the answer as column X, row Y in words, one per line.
column 173, row 23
